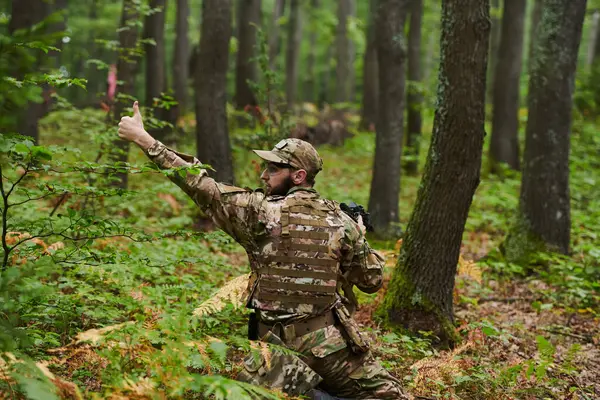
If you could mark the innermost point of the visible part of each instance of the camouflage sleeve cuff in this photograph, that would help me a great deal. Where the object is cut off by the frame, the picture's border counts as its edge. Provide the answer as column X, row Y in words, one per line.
column 165, row 157
column 155, row 149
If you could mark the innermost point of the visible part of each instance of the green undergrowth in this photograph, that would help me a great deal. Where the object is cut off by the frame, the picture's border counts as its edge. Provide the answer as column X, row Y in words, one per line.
column 137, row 258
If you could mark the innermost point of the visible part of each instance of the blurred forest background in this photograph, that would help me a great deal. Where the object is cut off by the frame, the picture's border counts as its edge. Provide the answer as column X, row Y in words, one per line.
column 110, row 276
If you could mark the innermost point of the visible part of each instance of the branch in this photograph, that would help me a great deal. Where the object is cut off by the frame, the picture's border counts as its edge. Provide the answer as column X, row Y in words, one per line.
column 30, row 199
column 585, row 338
column 14, row 185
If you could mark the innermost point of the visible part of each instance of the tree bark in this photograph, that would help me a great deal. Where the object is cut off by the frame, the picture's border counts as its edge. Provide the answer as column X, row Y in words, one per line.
column 414, row 98
column 156, row 78
column 370, row 74
column 25, row 14
column 245, row 67
column 494, row 45
column 391, row 57
column 504, row 145
column 274, row 39
column 419, row 296
column 212, row 133
column 344, row 59
column 292, row 52
column 593, row 40
column 536, row 15
column 181, row 56
column 126, row 68
column 310, row 88
column 544, row 217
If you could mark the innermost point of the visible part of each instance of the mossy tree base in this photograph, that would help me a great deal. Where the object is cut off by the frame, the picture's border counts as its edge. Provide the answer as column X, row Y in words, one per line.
column 408, row 309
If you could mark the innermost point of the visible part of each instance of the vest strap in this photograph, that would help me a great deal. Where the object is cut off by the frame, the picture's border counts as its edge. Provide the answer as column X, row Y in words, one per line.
column 285, row 220
column 297, row 286
column 303, row 260
column 308, row 222
column 296, row 273
column 286, row 245
column 318, row 300
column 309, row 211
column 309, row 235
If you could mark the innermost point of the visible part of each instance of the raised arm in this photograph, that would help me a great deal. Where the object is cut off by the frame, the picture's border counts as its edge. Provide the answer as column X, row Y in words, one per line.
column 235, row 210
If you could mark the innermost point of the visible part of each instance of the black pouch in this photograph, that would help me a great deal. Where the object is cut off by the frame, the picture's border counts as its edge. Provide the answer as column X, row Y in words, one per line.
column 253, row 327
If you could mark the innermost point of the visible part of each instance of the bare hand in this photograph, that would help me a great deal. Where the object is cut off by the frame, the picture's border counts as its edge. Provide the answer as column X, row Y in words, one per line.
column 132, row 128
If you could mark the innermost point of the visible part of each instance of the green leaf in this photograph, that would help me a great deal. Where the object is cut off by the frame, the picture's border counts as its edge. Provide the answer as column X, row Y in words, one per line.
column 21, row 148
column 40, row 152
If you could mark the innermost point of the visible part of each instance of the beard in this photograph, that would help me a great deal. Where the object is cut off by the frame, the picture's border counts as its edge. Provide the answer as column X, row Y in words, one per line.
column 282, row 188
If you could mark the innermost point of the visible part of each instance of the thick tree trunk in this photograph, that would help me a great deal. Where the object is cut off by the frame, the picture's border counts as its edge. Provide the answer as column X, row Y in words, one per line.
column 414, row 97
column 274, row 39
column 419, row 296
column 370, row 74
column 310, row 88
column 494, row 45
column 181, row 56
column 504, row 145
column 344, row 59
column 544, row 218
column 25, row 14
column 126, row 67
column 245, row 67
column 211, row 89
column 156, row 78
column 391, row 57
column 536, row 15
column 292, row 52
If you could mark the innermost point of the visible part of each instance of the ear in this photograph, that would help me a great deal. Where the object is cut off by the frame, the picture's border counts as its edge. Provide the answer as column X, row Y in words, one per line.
column 299, row 177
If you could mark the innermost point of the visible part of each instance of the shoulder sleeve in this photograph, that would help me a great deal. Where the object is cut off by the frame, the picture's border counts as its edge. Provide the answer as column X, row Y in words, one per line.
column 235, row 210
column 362, row 265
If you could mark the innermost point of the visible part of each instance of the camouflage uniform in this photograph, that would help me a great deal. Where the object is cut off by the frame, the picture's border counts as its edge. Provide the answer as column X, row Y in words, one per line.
column 302, row 249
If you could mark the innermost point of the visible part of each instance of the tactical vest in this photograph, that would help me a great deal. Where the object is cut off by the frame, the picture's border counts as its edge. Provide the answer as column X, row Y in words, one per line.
column 299, row 263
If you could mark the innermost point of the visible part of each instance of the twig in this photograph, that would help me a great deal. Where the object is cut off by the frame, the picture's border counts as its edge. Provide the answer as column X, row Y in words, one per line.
column 507, row 299
column 586, row 338
column 60, row 202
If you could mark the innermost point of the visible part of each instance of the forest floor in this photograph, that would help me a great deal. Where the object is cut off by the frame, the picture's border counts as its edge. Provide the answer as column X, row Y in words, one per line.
column 119, row 321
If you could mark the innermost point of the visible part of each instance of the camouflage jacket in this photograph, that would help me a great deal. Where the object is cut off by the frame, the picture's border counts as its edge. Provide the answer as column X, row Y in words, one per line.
column 250, row 216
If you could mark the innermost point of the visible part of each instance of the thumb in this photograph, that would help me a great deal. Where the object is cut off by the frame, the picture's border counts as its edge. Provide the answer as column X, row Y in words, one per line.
column 137, row 116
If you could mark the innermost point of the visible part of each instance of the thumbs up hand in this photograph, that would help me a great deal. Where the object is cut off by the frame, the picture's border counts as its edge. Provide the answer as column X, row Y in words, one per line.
column 132, row 129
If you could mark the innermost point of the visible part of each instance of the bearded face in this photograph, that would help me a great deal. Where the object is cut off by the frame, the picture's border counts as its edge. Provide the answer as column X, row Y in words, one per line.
column 277, row 179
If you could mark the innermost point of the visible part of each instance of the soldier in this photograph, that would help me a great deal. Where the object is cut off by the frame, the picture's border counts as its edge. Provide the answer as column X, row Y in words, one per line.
column 302, row 249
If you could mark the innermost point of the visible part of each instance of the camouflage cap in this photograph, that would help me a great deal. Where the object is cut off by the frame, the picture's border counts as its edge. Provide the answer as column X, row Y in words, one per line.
column 294, row 152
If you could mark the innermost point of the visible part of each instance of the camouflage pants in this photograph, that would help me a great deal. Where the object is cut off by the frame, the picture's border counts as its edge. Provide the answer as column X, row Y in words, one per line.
column 341, row 372
column 345, row 373
column 355, row 376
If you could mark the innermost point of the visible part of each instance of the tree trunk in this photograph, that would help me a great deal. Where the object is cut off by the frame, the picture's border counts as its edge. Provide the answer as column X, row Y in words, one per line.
column 292, row 51
column 592, row 44
column 310, row 88
column 504, row 145
column 181, row 56
column 212, row 133
column 391, row 57
column 274, row 40
column 414, row 98
column 343, row 57
column 544, row 218
column 370, row 74
column 494, row 45
column 419, row 297
column 126, row 67
column 536, row 15
column 156, row 79
column 25, row 14
column 246, row 68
